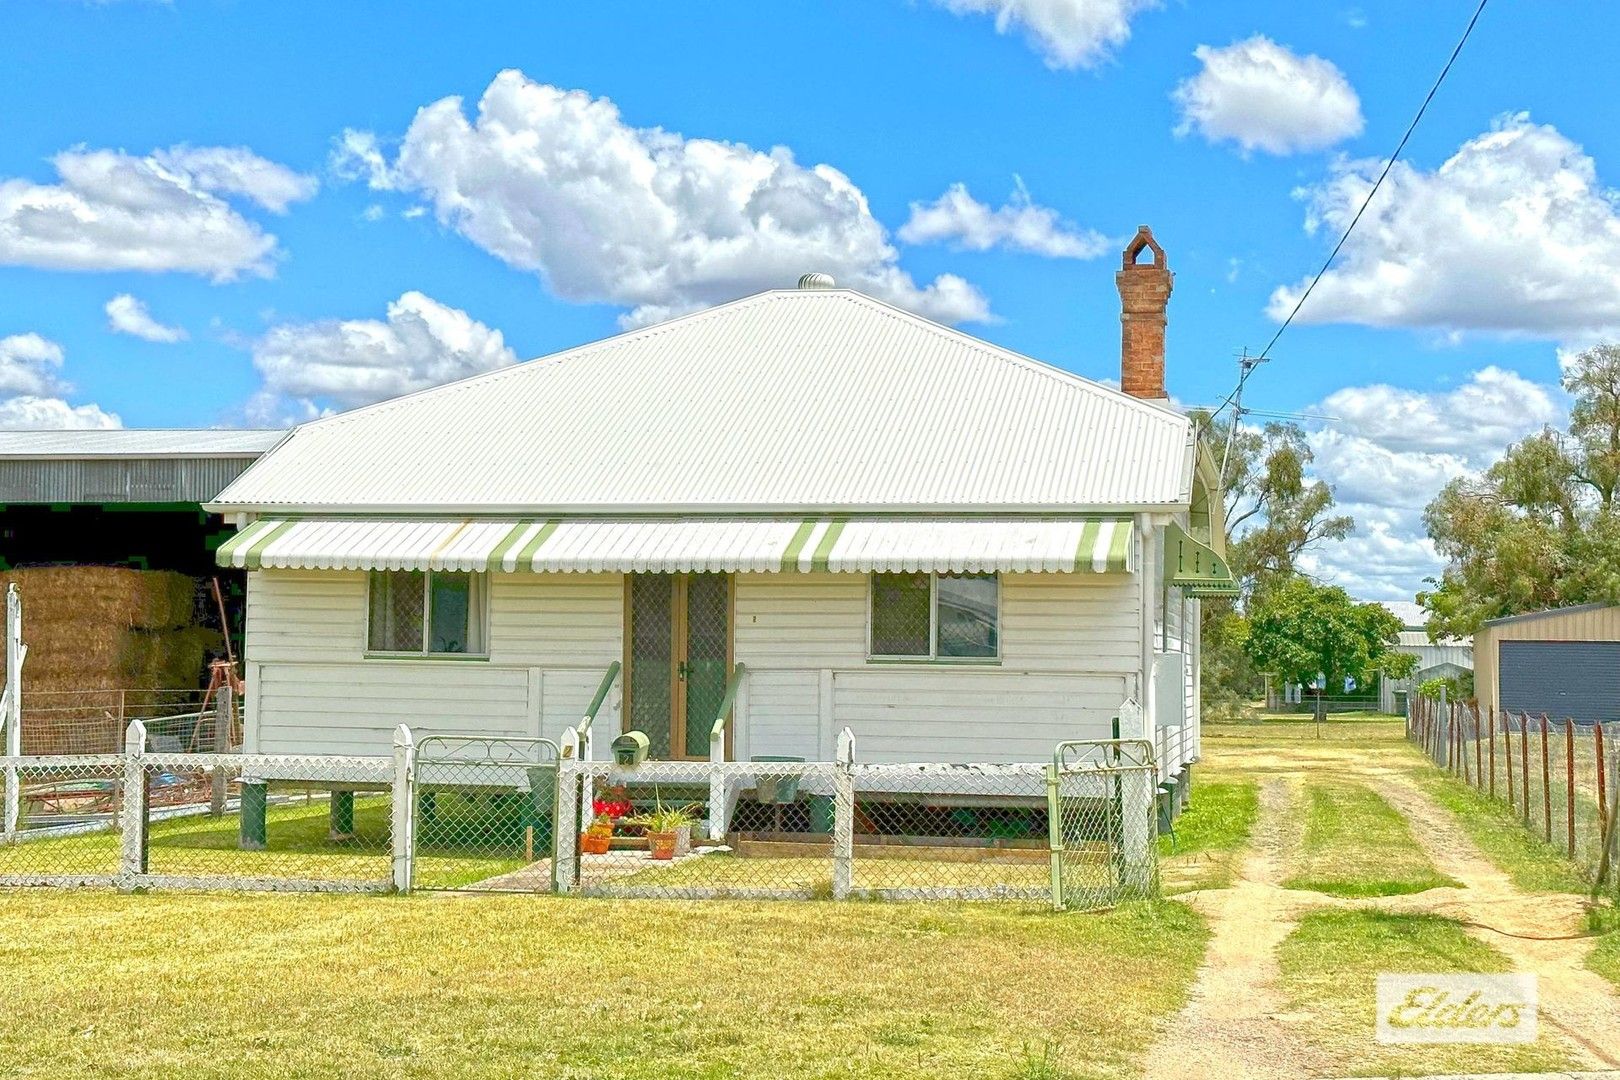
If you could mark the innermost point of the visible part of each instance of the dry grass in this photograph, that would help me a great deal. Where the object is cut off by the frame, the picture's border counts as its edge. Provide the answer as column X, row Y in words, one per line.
column 1331, row 961
column 1356, row 844
column 241, row 986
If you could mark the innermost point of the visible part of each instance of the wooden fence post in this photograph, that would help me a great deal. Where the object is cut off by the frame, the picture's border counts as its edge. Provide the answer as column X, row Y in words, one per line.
column 1479, row 753
column 1546, row 782
column 1507, row 751
column 1602, row 781
column 1569, row 786
column 1524, row 761
column 1490, row 726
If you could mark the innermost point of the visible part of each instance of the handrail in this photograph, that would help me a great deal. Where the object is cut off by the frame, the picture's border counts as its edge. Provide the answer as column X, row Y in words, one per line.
column 582, row 732
column 717, row 733
column 601, row 696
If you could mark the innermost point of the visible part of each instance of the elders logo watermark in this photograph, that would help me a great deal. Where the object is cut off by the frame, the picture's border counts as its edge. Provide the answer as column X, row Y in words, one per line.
column 1457, row 1008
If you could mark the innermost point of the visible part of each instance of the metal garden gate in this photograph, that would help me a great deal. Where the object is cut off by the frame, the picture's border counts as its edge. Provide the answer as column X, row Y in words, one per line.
column 483, row 813
column 1103, row 823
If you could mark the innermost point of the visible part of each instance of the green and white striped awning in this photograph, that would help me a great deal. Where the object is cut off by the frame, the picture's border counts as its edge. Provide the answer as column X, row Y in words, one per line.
column 1101, row 544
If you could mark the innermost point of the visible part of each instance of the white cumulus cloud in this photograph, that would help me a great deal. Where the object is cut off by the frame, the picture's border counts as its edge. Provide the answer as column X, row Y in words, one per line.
column 959, row 219
column 127, row 315
column 1392, row 451
column 555, row 182
column 1513, row 234
column 1263, row 96
column 166, row 211
column 315, row 367
column 1067, row 33
column 31, row 388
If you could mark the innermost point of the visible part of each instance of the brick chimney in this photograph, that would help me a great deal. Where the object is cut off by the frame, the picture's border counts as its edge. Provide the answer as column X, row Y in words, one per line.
column 1144, row 293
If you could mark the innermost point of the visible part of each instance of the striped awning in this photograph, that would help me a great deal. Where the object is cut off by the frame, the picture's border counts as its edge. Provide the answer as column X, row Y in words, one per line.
column 1075, row 544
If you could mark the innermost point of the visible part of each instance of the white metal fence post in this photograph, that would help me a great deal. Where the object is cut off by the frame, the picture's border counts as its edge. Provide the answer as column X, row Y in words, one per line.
column 132, row 862
column 11, row 705
column 844, row 816
column 1054, row 830
column 565, row 830
column 404, row 808
column 224, row 718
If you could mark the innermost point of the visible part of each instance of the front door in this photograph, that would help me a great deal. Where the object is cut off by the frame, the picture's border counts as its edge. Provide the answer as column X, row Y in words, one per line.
column 677, row 652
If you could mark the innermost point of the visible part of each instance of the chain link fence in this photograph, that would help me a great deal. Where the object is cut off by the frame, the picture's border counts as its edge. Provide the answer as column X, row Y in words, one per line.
column 483, row 813
column 198, row 821
column 1559, row 777
column 507, row 814
column 1104, row 829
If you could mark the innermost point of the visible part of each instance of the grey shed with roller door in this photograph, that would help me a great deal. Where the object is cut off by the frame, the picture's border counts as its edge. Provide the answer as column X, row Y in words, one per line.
column 1565, row 663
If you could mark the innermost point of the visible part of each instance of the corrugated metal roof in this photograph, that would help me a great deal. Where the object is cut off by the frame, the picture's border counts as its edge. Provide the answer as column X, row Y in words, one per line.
column 1409, row 613
column 139, row 442
column 1094, row 544
column 1550, row 613
column 796, row 400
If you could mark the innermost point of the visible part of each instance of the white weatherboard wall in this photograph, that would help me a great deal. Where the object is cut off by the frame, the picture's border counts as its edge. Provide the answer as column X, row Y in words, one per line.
column 1071, row 653
column 311, row 689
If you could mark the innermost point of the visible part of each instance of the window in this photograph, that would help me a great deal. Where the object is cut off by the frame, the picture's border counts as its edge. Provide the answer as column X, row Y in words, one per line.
column 432, row 612
column 936, row 616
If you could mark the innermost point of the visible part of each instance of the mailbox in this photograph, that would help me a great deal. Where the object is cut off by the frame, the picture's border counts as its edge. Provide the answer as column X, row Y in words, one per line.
column 630, row 749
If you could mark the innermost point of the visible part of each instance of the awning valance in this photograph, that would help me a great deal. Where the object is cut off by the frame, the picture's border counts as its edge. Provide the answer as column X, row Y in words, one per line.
column 1074, row 544
column 1194, row 567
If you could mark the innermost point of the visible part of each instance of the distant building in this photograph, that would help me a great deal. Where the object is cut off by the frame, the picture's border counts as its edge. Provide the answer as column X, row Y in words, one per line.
column 125, row 497
column 1564, row 663
column 1446, row 658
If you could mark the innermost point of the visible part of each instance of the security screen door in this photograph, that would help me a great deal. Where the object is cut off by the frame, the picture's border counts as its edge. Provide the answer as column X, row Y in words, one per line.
column 678, row 648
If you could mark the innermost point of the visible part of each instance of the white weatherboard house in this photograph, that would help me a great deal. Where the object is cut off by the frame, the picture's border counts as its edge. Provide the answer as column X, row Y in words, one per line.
column 843, row 514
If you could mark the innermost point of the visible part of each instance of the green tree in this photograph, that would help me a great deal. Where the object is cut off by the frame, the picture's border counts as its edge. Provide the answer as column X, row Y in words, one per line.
column 1541, row 527
column 1300, row 631
column 1274, row 512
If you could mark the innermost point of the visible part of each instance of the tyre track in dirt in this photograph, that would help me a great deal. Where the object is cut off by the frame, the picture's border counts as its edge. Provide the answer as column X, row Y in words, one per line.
column 1236, row 1021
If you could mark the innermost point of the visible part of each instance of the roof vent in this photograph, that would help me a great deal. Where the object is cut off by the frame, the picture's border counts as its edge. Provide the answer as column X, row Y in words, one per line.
column 817, row 281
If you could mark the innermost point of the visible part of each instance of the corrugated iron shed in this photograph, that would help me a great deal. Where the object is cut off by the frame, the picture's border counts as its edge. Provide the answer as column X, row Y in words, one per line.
column 158, row 466
column 794, row 400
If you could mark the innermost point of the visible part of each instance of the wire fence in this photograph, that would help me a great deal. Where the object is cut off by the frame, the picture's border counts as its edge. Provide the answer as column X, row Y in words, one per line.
column 198, row 821
column 505, row 815
column 93, row 721
column 1559, row 777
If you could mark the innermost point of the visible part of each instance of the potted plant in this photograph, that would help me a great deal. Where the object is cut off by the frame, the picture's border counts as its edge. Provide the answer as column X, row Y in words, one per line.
column 598, row 839
column 669, row 831
column 610, row 804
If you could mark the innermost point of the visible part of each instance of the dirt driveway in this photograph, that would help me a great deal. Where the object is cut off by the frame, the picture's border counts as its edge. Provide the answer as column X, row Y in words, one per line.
column 1237, row 1022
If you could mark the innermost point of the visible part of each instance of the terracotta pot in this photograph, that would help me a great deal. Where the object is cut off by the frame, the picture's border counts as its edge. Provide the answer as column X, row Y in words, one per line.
column 595, row 843
column 662, row 844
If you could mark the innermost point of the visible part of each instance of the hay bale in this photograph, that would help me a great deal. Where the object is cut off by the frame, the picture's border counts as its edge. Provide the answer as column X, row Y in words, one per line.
column 116, row 595
column 104, row 628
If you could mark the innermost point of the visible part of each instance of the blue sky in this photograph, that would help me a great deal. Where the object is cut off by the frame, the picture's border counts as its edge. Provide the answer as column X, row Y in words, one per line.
column 401, row 267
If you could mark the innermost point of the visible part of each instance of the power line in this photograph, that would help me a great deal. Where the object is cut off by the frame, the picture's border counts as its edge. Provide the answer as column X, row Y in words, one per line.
column 1247, row 368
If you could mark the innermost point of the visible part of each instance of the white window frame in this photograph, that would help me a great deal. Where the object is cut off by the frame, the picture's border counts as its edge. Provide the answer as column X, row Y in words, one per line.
column 478, row 601
column 933, row 656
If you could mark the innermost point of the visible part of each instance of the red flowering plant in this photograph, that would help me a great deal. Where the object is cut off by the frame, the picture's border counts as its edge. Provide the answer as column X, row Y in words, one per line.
column 611, row 802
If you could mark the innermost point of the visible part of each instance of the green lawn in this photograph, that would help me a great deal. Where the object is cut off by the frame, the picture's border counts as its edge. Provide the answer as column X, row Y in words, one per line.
column 200, row 845
column 1356, row 844
column 1210, row 834
column 493, row 986
column 1331, row 961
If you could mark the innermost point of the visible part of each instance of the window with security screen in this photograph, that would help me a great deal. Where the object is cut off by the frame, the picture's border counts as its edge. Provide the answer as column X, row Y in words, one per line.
column 433, row 613
column 919, row 616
